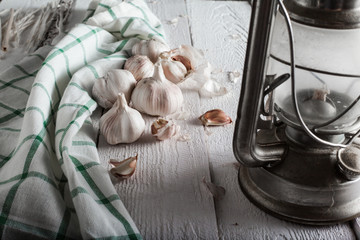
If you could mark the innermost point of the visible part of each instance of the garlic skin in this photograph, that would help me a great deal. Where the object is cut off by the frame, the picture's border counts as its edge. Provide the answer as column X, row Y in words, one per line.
column 150, row 48
column 156, row 95
column 174, row 71
column 140, row 66
column 215, row 117
column 125, row 168
column 106, row 89
column 122, row 124
column 189, row 56
column 163, row 129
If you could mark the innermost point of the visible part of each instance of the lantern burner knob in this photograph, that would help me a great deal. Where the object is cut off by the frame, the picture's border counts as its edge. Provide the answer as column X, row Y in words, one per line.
column 349, row 162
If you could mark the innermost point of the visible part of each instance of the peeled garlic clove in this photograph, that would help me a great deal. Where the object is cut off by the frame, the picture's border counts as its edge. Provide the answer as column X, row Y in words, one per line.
column 125, row 168
column 157, row 96
column 140, row 66
column 151, row 48
column 106, row 89
column 215, row 117
column 174, row 71
column 122, row 124
column 163, row 129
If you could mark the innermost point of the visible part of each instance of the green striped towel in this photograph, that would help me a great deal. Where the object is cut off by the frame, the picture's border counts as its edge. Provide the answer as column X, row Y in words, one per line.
column 52, row 184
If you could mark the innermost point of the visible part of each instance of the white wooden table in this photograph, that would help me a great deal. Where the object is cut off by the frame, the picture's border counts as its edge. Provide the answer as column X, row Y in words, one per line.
column 166, row 196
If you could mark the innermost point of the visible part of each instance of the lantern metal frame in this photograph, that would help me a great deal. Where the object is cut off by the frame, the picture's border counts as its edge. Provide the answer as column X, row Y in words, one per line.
column 313, row 183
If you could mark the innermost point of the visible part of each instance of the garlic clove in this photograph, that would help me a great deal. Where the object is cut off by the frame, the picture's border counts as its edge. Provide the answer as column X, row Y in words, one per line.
column 122, row 124
column 107, row 88
column 163, row 129
column 189, row 56
column 215, row 117
column 125, row 168
column 140, row 66
column 174, row 71
column 157, row 96
column 151, row 48
column 157, row 125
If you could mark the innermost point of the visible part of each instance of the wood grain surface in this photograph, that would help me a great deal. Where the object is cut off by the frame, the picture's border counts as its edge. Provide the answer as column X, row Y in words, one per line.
column 166, row 196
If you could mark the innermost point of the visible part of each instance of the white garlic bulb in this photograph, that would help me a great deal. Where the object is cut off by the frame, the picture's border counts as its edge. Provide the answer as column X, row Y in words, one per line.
column 122, row 124
column 156, row 95
column 174, row 71
column 151, row 48
column 106, row 89
column 140, row 66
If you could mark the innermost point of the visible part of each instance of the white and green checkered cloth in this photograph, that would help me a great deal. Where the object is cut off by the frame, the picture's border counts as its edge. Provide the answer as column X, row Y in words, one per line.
column 52, row 185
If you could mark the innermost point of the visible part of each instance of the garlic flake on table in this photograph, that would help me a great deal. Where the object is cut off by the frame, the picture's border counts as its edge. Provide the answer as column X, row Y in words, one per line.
column 215, row 117
column 151, row 48
column 140, row 66
column 106, row 89
column 156, row 95
column 163, row 129
column 125, row 168
column 122, row 124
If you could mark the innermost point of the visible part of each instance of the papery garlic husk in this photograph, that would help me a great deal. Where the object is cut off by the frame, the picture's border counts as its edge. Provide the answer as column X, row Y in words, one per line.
column 157, row 96
column 125, row 168
column 122, row 124
column 195, row 79
column 163, row 129
column 106, row 89
column 217, row 191
column 174, row 71
column 212, row 88
column 140, row 66
column 215, row 117
column 151, row 48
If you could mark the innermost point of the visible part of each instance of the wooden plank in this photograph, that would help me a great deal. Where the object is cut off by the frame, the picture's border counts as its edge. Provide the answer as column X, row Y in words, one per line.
column 221, row 28
column 166, row 197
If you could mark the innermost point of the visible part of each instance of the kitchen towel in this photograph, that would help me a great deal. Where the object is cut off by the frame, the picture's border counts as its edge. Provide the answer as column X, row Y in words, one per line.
column 52, row 185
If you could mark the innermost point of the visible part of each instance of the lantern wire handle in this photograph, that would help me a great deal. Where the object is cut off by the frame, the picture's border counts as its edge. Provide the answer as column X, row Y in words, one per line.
column 293, row 89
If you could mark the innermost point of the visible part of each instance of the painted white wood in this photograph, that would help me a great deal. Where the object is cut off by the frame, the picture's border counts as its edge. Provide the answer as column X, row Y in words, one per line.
column 221, row 28
column 166, row 196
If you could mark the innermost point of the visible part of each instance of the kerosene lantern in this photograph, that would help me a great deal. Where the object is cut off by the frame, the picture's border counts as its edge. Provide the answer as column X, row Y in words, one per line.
column 298, row 121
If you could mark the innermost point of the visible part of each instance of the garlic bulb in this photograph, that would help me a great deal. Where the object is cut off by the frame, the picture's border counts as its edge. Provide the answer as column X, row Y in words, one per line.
column 140, row 66
column 174, row 71
column 163, row 129
column 106, row 89
column 150, row 48
column 156, row 95
column 121, row 124
column 215, row 117
column 125, row 168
